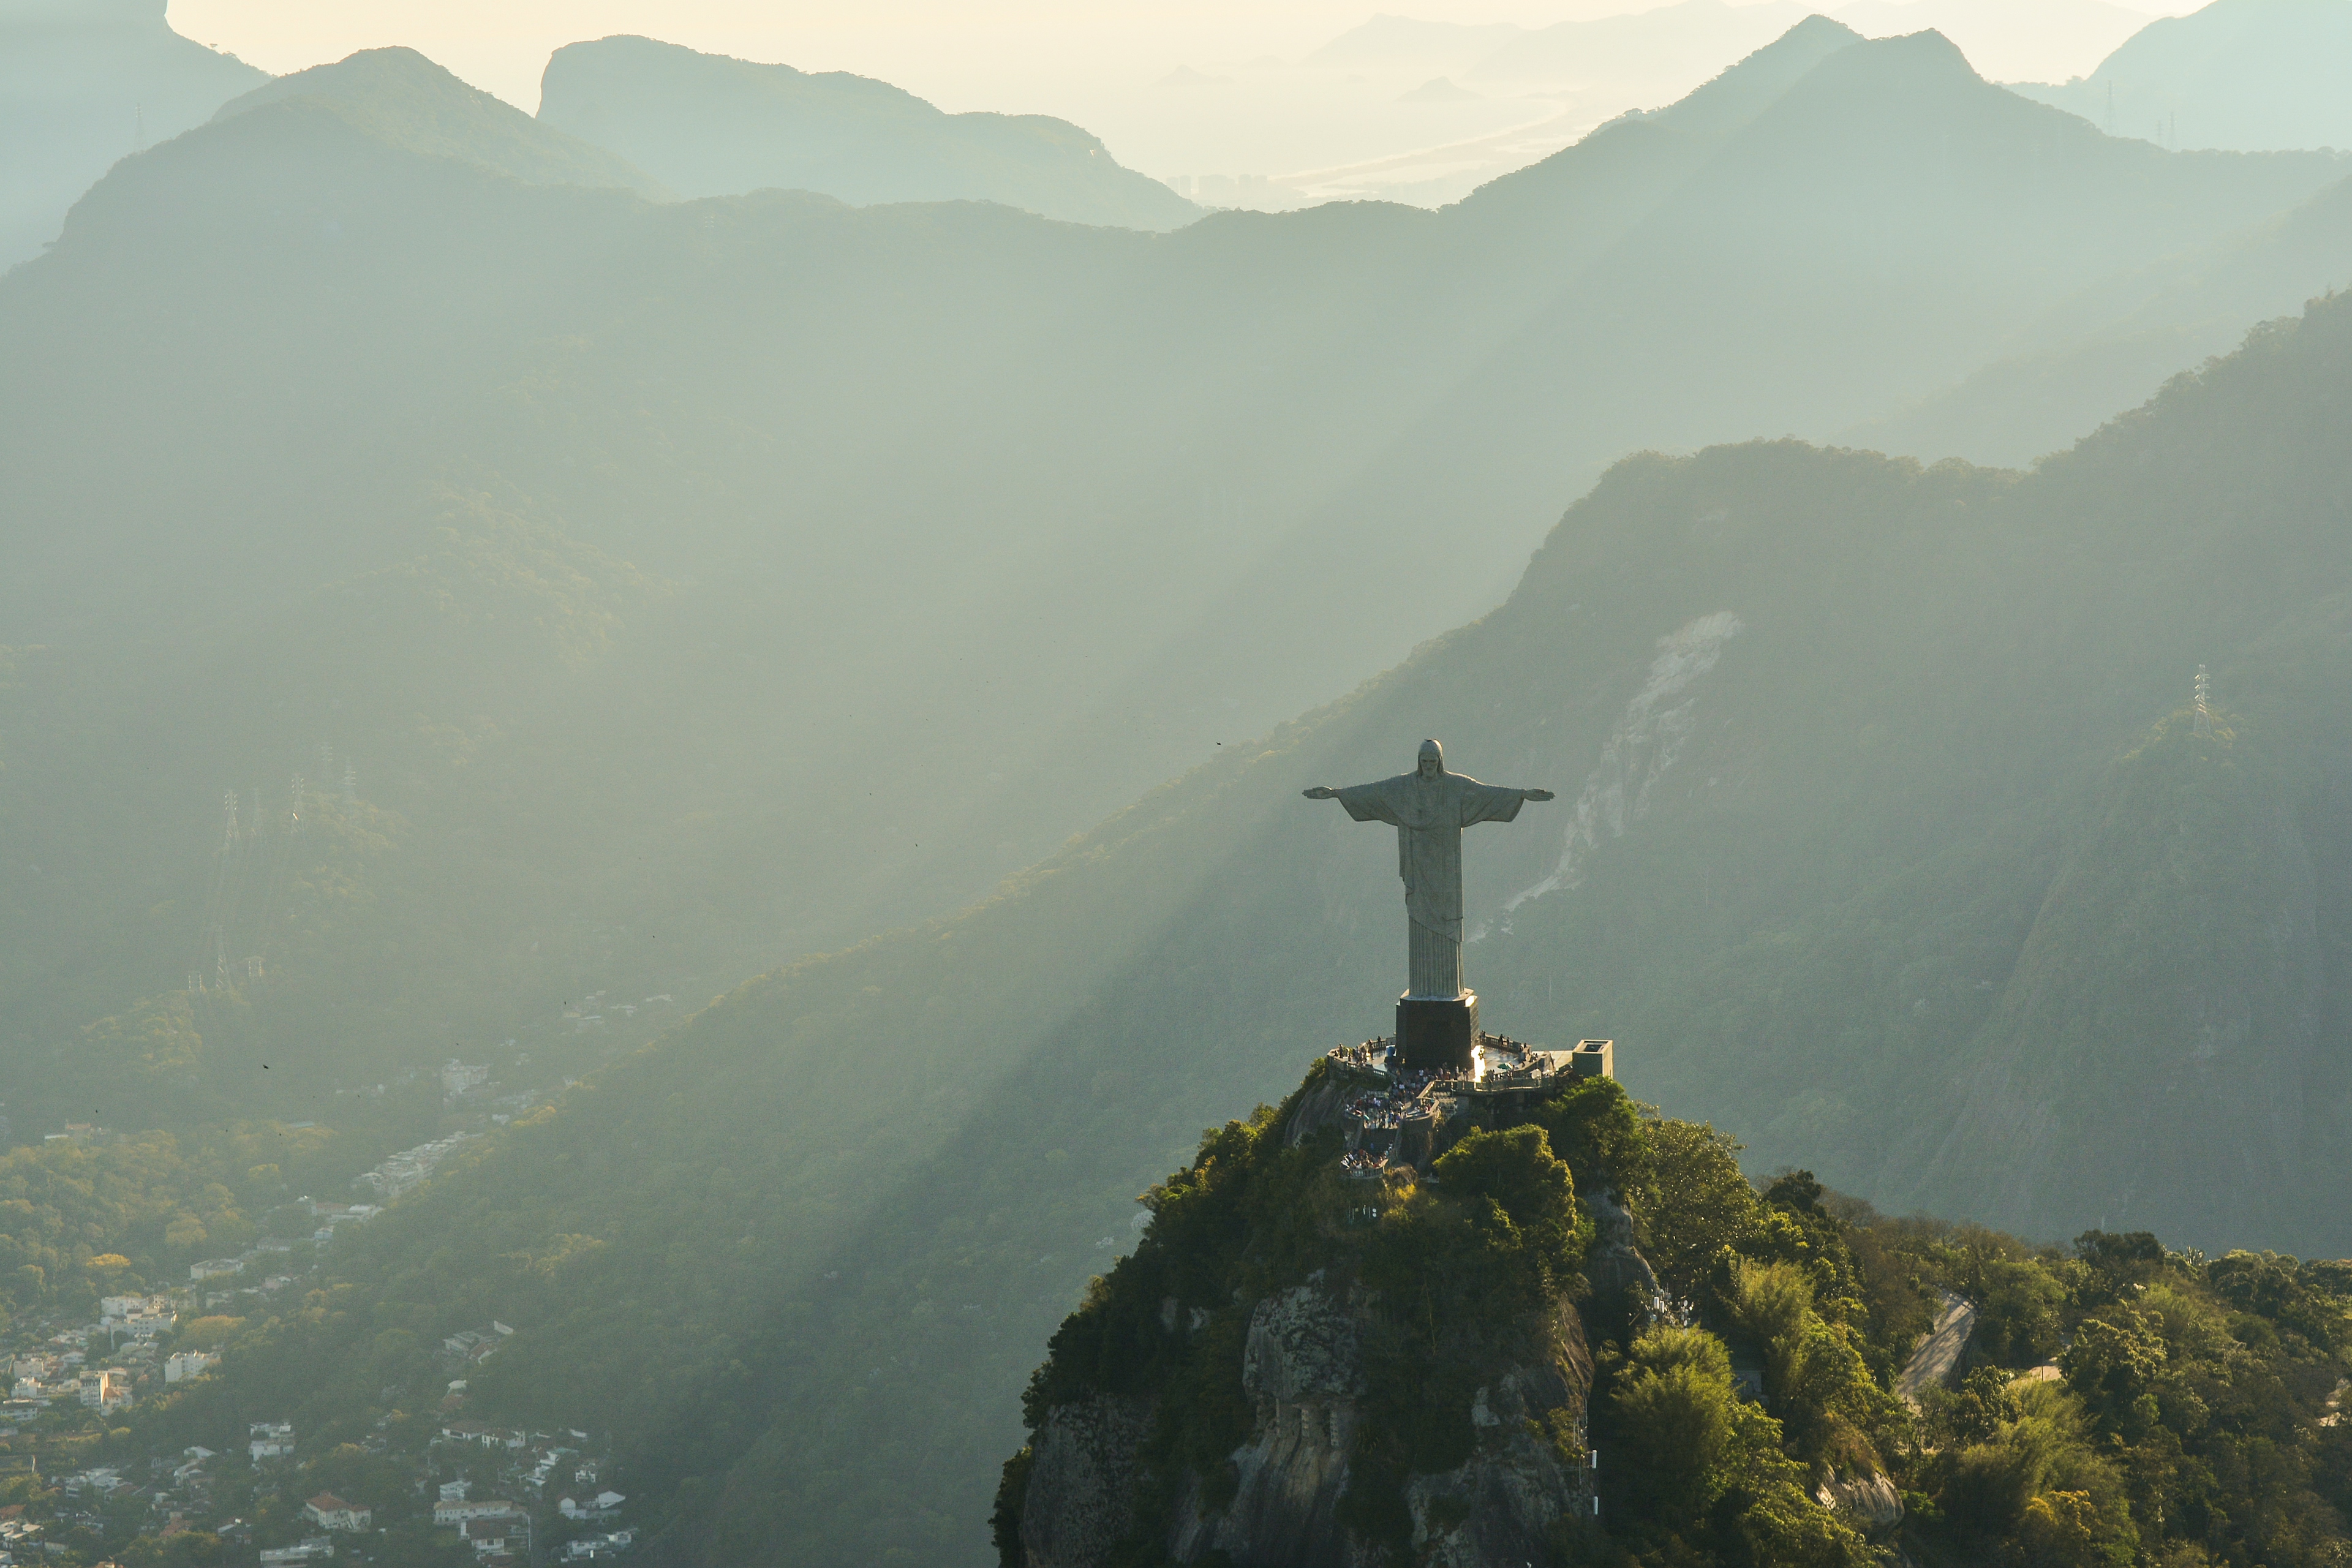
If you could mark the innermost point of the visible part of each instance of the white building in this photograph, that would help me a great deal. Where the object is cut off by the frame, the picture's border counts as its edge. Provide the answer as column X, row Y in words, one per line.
column 601, row 1506
column 107, row 1388
column 458, row 1076
column 330, row 1512
column 270, row 1440
column 182, row 1365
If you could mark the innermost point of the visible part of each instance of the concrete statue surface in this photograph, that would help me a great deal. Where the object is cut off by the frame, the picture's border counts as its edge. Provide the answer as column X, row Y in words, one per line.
column 1429, row 807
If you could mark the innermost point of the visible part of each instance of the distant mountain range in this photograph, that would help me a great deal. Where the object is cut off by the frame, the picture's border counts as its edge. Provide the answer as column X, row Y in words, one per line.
column 1884, row 819
column 1651, row 55
column 692, row 587
column 328, row 346
column 82, row 83
column 708, row 125
column 402, row 100
column 2245, row 74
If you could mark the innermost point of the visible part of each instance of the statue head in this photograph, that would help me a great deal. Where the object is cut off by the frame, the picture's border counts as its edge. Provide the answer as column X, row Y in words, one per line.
column 1433, row 759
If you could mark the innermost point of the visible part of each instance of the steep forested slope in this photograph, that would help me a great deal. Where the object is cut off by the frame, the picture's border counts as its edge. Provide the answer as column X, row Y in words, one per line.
column 879, row 474
column 1348, row 1346
column 82, row 83
column 1879, row 825
column 400, row 98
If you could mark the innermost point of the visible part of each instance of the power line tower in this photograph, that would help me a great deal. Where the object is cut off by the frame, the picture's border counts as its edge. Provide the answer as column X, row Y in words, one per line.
column 351, row 783
column 2204, row 715
column 228, row 823
column 294, row 815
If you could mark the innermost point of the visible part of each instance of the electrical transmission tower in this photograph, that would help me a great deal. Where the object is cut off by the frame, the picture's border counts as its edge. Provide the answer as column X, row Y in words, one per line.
column 2204, row 715
column 351, row 783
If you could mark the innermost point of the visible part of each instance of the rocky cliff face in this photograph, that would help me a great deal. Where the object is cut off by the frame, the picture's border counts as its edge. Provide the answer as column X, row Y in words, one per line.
column 1264, row 1385
column 1303, row 1366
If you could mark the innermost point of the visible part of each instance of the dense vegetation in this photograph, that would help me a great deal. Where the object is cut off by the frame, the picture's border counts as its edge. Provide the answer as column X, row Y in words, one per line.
column 2121, row 1402
column 538, row 416
column 1871, row 899
column 658, row 664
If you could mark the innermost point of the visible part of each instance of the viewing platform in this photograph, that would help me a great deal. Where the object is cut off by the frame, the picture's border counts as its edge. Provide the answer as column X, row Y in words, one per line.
column 1394, row 1115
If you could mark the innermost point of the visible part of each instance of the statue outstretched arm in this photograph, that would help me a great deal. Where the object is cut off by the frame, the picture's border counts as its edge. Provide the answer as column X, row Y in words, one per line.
column 1320, row 793
column 1535, row 795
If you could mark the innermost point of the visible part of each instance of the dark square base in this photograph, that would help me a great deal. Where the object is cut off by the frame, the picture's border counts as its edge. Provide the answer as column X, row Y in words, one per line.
column 1435, row 1034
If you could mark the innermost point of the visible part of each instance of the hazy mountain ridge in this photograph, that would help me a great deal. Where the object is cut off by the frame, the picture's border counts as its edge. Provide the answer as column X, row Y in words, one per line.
column 81, row 85
column 716, row 126
column 730, row 432
column 2246, row 74
column 1813, row 920
column 400, row 98
column 682, row 669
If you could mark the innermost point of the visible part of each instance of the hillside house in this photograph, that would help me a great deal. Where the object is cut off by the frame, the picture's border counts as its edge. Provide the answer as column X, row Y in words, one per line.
column 332, row 1513
column 270, row 1440
column 458, row 1510
column 316, row 1549
column 499, row 1537
column 107, row 1389
column 604, row 1505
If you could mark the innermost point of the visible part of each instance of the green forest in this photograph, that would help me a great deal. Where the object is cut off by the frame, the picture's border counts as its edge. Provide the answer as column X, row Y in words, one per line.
column 468, row 608
column 2121, row 1402
column 786, row 1275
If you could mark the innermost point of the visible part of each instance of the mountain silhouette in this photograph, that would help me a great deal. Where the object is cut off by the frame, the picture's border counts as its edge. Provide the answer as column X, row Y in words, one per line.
column 1882, row 818
column 2245, row 74
column 82, row 83
column 1242, row 464
column 708, row 125
column 397, row 97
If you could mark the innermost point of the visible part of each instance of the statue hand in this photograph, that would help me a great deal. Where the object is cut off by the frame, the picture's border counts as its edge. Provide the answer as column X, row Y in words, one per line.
column 1535, row 795
column 1319, row 793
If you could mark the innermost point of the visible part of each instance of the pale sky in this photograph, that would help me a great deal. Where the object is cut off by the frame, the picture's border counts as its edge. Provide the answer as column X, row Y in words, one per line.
column 1095, row 62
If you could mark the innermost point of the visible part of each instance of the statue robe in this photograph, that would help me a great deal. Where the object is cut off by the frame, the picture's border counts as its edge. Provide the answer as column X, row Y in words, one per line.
column 1429, row 815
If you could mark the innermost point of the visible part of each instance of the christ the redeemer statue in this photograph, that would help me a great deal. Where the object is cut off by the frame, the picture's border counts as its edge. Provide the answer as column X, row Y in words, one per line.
column 1437, row 1019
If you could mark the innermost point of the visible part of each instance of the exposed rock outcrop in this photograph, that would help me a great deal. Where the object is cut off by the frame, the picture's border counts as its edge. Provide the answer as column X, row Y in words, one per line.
column 1082, row 1481
column 1869, row 1502
column 1507, row 1499
column 1303, row 1365
column 1616, row 1263
column 1311, row 1363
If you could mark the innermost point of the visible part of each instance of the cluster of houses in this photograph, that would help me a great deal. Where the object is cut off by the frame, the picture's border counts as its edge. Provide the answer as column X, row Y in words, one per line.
column 41, row 1381
column 409, row 1169
column 20, row 1540
column 326, row 1218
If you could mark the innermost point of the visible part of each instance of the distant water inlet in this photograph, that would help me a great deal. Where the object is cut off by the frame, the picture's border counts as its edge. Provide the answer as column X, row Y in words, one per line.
column 1647, row 742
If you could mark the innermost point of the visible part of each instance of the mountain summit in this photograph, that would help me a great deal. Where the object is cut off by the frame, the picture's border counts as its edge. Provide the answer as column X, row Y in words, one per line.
column 401, row 98
column 82, row 83
column 711, row 125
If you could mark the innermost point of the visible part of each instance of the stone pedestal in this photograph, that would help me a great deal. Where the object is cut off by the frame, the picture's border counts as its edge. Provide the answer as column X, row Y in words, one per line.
column 1434, row 1034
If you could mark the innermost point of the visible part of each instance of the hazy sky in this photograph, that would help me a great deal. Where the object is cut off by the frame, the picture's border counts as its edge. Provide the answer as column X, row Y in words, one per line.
column 1091, row 61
